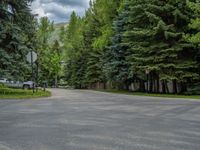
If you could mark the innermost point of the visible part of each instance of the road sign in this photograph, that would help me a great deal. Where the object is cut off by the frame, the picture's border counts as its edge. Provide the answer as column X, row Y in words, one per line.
column 31, row 57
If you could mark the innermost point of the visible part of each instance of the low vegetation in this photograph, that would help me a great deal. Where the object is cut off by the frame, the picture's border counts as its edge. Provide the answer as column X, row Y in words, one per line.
column 10, row 93
column 125, row 42
column 151, row 44
column 149, row 94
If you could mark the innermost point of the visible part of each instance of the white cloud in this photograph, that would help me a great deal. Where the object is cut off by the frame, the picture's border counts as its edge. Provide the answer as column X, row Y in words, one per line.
column 59, row 10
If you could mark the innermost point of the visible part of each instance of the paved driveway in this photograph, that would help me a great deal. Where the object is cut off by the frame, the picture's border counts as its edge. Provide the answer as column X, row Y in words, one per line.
column 88, row 120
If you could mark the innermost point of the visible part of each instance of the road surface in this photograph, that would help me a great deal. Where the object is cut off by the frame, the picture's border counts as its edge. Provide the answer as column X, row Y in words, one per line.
column 89, row 120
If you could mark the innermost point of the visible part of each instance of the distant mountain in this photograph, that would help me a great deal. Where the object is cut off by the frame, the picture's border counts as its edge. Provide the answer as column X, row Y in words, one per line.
column 56, row 33
column 58, row 25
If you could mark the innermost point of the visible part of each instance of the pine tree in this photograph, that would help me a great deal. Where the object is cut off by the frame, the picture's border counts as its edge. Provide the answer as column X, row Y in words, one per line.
column 17, row 34
column 194, row 26
column 99, row 18
column 44, row 49
column 195, row 22
column 154, row 36
column 116, row 66
column 75, row 53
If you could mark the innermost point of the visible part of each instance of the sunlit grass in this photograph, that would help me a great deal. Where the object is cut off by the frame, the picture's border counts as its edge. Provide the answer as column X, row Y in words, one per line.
column 9, row 93
column 150, row 94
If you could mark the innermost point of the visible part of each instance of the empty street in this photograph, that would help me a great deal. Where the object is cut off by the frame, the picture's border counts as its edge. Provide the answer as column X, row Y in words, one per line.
column 90, row 120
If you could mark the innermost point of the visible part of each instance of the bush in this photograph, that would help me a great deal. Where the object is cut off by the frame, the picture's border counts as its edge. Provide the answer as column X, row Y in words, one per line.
column 193, row 89
column 21, row 94
column 2, row 86
column 8, row 91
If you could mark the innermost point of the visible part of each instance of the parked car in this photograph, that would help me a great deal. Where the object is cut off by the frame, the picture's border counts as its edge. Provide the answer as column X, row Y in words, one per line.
column 28, row 85
column 17, row 84
column 3, row 80
column 14, row 84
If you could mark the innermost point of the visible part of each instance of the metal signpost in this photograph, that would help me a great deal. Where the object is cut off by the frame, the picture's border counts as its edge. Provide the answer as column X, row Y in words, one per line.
column 31, row 57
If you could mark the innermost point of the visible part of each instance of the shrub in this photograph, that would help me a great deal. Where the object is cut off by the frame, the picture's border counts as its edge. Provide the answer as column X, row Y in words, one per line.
column 2, row 86
column 8, row 91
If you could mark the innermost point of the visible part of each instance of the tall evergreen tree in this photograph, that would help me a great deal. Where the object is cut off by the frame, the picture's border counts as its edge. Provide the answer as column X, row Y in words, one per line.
column 116, row 66
column 154, row 35
column 147, row 44
column 99, row 18
column 45, row 29
column 17, row 34
column 75, row 54
column 195, row 22
column 194, row 36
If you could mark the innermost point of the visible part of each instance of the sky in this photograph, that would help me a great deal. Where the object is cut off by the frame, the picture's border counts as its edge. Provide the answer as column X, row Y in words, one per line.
column 59, row 10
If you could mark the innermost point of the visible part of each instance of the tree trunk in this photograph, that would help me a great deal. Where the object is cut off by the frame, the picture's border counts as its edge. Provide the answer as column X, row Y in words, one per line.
column 166, row 86
column 174, row 87
column 104, row 85
column 56, row 81
column 142, row 86
column 158, row 84
column 120, row 86
column 151, row 84
column 183, row 87
column 163, row 87
column 127, row 84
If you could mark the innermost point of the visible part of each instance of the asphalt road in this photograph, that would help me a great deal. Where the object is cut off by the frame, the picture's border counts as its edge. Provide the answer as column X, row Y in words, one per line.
column 88, row 120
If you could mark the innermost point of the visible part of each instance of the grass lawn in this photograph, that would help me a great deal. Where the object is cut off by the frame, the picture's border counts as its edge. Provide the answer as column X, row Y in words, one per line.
column 149, row 94
column 9, row 93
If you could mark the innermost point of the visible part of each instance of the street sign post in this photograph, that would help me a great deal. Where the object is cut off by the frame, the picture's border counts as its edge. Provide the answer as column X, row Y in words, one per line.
column 31, row 57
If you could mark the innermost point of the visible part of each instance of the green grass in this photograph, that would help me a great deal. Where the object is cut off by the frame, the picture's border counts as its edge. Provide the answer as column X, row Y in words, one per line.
column 9, row 93
column 149, row 94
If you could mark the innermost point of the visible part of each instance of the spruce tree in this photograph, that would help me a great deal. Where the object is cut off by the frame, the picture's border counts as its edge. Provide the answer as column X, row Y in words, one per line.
column 116, row 66
column 154, row 36
column 17, row 34
column 195, row 22
column 194, row 37
column 99, row 19
column 75, row 53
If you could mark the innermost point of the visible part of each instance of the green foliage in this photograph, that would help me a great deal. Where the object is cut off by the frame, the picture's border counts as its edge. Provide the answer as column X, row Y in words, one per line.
column 195, row 22
column 9, row 93
column 17, row 34
column 101, row 15
column 2, row 86
column 154, row 38
column 49, row 52
column 184, row 97
column 116, row 66
column 119, row 41
column 74, row 52
column 85, row 42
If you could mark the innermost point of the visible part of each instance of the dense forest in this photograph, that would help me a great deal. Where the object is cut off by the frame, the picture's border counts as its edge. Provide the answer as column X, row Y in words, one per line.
column 20, row 33
column 149, row 43
column 17, row 37
column 139, row 45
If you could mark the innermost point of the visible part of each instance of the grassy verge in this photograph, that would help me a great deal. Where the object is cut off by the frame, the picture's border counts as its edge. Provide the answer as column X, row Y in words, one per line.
column 8, row 93
column 149, row 94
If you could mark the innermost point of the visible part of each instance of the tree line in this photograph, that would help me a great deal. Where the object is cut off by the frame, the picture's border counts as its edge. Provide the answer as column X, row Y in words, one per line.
column 151, row 45
column 20, row 33
column 121, row 42
column 17, row 37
